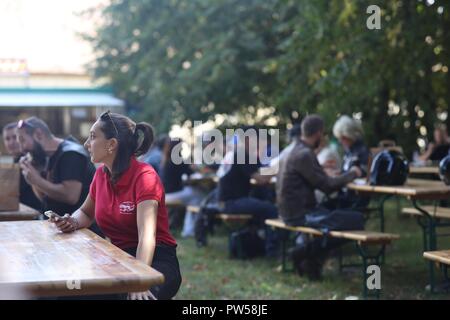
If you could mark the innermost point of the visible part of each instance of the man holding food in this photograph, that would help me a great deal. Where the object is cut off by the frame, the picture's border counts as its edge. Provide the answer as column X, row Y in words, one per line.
column 59, row 171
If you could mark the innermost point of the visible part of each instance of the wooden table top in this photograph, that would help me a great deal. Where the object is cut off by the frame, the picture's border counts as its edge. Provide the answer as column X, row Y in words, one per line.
column 442, row 256
column 24, row 213
column 198, row 179
column 39, row 261
column 413, row 188
column 424, row 170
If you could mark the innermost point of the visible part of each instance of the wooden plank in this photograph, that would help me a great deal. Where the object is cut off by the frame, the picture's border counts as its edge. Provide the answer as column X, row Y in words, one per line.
column 193, row 209
column 359, row 235
column 424, row 170
column 9, row 185
column 413, row 188
column 365, row 236
column 280, row 224
column 40, row 261
column 175, row 203
column 436, row 212
column 24, row 213
column 233, row 217
column 198, row 179
column 442, row 256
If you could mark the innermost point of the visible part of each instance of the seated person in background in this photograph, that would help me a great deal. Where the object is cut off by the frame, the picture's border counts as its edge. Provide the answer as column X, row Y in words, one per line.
column 297, row 180
column 154, row 156
column 60, row 171
column 171, row 176
column 330, row 161
column 349, row 132
column 12, row 146
column 234, row 187
column 276, row 163
column 438, row 149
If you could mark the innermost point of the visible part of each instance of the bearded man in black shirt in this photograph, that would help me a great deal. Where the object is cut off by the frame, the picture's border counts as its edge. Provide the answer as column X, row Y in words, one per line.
column 59, row 171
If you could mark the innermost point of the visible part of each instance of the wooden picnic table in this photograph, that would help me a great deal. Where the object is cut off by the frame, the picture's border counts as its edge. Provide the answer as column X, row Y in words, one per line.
column 418, row 189
column 24, row 213
column 442, row 259
column 442, row 256
column 39, row 261
column 414, row 190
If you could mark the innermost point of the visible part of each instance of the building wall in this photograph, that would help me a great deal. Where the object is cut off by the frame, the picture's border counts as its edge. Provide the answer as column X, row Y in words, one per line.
column 62, row 121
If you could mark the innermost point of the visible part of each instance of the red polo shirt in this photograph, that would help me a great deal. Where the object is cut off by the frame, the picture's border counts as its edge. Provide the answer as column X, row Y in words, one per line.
column 115, row 206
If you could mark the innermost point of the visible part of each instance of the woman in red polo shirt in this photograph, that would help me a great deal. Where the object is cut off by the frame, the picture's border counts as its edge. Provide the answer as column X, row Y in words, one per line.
column 126, row 199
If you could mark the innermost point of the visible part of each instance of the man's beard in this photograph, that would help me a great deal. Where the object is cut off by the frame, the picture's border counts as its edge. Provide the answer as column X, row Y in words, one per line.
column 39, row 156
column 317, row 144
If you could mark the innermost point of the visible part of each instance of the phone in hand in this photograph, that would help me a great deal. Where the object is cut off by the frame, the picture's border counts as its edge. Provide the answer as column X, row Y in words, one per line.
column 50, row 214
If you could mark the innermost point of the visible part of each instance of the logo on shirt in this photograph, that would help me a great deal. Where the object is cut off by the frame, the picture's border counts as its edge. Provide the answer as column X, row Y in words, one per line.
column 127, row 207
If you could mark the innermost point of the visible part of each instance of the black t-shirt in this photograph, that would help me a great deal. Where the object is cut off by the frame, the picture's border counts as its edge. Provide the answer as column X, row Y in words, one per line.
column 235, row 183
column 26, row 193
column 171, row 176
column 69, row 165
column 440, row 152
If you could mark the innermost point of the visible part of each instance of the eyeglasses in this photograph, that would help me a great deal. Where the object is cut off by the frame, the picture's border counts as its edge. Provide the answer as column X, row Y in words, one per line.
column 110, row 119
column 25, row 123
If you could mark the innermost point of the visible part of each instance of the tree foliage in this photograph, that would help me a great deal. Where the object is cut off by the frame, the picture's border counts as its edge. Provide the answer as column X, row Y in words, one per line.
column 178, row 60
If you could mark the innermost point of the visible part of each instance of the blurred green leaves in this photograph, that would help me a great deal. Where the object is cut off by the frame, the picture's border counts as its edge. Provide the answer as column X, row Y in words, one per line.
column 191, row 59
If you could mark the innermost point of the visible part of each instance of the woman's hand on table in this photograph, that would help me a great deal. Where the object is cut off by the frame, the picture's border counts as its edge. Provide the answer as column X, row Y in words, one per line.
column 66, row 223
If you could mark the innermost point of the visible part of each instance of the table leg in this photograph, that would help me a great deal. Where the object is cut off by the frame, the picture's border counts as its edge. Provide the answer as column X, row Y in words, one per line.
column 429, row 241
column 384, row 198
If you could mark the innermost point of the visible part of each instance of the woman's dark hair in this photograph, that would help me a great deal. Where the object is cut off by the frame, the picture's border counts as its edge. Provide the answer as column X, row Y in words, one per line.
column 133, row 139
column 169, row 145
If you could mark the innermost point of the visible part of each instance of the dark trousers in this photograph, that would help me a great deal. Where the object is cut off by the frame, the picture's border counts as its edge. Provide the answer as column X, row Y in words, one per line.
column 260, row 210
column 165, row 261
column 347, row 200
column 320, row 246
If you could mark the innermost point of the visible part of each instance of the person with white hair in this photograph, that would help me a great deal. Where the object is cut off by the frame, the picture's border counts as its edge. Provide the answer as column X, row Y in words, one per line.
column 349, row 132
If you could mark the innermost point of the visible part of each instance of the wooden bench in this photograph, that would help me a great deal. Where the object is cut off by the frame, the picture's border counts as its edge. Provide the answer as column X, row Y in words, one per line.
column 362, row 239
column 174, row 204
column 435, row 212
column 227, row 217
column 24, row 213
column 442, row 259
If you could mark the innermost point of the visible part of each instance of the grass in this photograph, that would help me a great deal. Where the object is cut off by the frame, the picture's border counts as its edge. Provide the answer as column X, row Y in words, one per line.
column 208, row 273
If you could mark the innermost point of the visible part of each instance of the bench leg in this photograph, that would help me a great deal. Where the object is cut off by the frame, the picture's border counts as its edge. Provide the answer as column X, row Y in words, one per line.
column 383, row 199
column 446, row 278
column 370, row 259
column 284, row 251
column 381, row 216
column 285, row 239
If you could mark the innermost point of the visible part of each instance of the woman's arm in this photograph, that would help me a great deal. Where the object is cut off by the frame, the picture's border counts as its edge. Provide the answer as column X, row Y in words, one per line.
column 82, row 218
column 147, row 213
